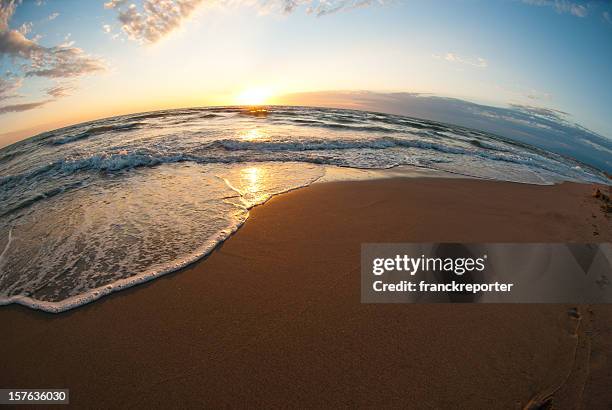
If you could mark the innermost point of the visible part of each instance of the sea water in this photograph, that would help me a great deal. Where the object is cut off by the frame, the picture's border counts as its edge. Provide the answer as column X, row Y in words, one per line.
column 96, row 207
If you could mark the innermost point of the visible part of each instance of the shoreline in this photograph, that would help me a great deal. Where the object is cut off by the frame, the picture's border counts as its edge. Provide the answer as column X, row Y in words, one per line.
column 331, row 175
column 273, row 315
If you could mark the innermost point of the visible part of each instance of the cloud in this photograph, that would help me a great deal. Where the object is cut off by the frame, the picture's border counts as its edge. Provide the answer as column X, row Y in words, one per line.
column 9, row 87
column 543, row 127
column 542, row 112
column 60, row 90
column 454, row 58
column 536, row 95
column 324, row 7
column 56, row 62
column 578, row 9
column 25, row 28
column 7, row 8
column 14, row 44
column 607, row 17
column 59, row 61
column 157, row 18
column 64, row 62
column 22, row 107
column 114, row 4
column 53, row 16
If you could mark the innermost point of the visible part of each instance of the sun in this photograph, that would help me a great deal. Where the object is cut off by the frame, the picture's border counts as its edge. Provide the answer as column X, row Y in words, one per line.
column 254, row 96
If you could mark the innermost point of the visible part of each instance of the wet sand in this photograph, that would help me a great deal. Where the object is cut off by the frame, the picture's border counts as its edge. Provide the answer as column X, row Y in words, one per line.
column 273, row 317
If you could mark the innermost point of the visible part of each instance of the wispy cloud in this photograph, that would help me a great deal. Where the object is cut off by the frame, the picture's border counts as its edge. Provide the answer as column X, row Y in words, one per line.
column 9, row 87
column 578, row 9
column 63, row 61
column 157, row 18
column 319, row 7
column 536, row 95
column 543, row 112
column 26, row 28
column 22, row 107
column 53, row 16
column 455, row 58
column 7, row 8
column 60, row 90
column 516, row 93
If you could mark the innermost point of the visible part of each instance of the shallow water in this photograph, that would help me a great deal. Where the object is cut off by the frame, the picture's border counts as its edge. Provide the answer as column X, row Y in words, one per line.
column 96, row 207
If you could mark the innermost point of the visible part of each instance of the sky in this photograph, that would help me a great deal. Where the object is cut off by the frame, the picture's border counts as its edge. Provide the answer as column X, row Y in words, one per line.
column 68, row 61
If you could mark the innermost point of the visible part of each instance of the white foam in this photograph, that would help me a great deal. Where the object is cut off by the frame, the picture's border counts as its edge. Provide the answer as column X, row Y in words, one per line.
column 88, row 244
column 98, row 207
column 7, row 246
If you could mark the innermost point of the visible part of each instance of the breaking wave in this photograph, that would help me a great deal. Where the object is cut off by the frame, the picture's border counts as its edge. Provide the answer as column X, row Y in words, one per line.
column 96, row 207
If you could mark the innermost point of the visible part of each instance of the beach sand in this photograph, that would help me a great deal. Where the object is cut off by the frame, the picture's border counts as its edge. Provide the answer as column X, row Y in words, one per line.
column 273, row 317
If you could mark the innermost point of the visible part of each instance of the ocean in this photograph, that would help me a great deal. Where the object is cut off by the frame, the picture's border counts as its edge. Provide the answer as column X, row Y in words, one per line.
column 96, row 207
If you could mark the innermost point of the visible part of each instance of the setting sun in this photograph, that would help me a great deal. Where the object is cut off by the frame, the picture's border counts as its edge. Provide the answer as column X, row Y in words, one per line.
column 254, row 96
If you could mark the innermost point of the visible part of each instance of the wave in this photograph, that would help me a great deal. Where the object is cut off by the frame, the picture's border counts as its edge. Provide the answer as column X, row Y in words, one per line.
column 96, row 293
column 179, row 235
column 264, row 152
column 93, row 131
column 208, row 152
column 374, row 143
column 148, row 186
column 336, row 125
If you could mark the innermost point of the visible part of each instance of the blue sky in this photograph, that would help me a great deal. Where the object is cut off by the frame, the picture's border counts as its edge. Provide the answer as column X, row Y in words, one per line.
column 81, row 60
